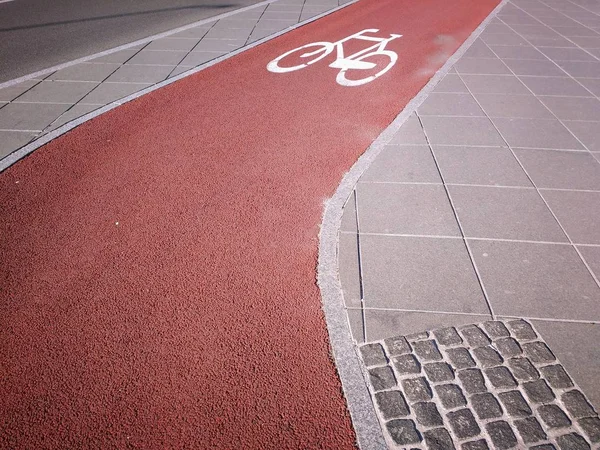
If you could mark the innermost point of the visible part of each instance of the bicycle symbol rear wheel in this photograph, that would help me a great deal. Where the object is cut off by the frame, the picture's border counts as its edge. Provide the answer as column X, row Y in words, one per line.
column 341, row 76
column 322, row 50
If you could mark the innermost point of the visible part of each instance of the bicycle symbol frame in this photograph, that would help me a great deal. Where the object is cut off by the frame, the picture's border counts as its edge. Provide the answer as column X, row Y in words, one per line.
column 355, row 61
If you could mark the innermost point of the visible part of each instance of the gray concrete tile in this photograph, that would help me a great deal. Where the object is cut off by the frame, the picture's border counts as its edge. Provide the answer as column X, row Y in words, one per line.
column 517, row 52
column 403, row 163
column 218, row 45
column 179, row 70
column 533, row 67
column 498, row 28
column 411, row 133
column 118, row 57
column 229, row 33
column 109, row 92
column 446, row 104
column 8, row 94
column 349, row 216
column 543, row 41
column 348, row 267
column 587, row 132
column 554, row 86
column 140, row 74
column 495, row 84
column 405, row 209
column 422, row 274
column 503, row 105
column 592, row 84
column 58, row 92
column 531, row 30
column 461, row 131
column 172, row 43
column 566, row 54
column 451, row 83
column 561, row 170
column 74, row 113
column 581, row 69
column 30, row 116
column 85, row 72
column 493, row 166
column 157, row 58
column 479, row 50
column 573, row 108
column 382, row 324
column 195, row 32
column 481, row 67
column 576, row 346
column 576, row 31
column 577, row 212
column 194, row 59
column 13, row 140
column 592, row 258
column 503, row 39
column 536, row 133
column 536, row 280
column 356, row 325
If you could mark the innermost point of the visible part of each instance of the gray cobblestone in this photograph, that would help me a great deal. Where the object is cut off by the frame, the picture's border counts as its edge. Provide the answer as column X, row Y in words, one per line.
column 463, row 423
column 481, row 444
column 427, row 414
column 538, row 391
column 472, row 381
column 495, row 329
column 556, row 376
column 508, row 347
column 538, row 352
column 577, row 405
column 392, row 404
column 438, row 439
column 439, row 372
column 530, row 430
column 522, row 369
column 450, row 395
column 417, row 389
column 397, row 346
column 427, row 350
column 591, row 427
column 474, row 336
column 522, row 330
column 572, row 441
column 514, row 404
column 543, row 447
column 460, row 358
column 403, row 431
column 553, row 416
column 501, row 434
column 487, row 357
column 486, row 406
column 373, row 355
column 447, row 336
column 417, row 336
column 500, row 377
column 382, row 378
column 407, row 364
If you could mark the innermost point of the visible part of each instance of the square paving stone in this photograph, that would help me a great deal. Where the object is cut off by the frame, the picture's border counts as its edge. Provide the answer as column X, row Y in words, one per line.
column 451, row 83
column 450, row 104
column 355, row 320
column 406, row 365
column 572, row 441
column 392, row 404
column 172, row 43
column 495, row 84
column 218, row 45
column 592, row 84
column 578, row 213
column 382, row 378
column 581, row 69
column 397, row 274
column 577, row 405
column 522, row 106
column 501, row 434
column 13, row 140
column 438, row 439
column 154, row 57
column 500, row 377
column 592, row 258
column 591, row 427
column 403, row 163
column 427, row 414
column 397, row 345
column 348, row 268
column 532, row 67
column 417, row 389
column 530, row 430
column 477, row 66
column 107, row 93
column 403, row 431
column 30, row 116
column 587, row 132
column 538, row 391
column 494, row 166
column 495, row 329
column 501, row 213
column 472, row 381
column 463, row 423
column 373, row 355
column 517, row 52
column 522, row 369
column 486, row 406
column 450, row 395
column 474, row 336
column 561, row 170
column 553, row 416
column 447, row 336
column 566, row 54
column 461, row 131
column 73, row 113
column 514, row 404
column 9, row 93
column 536, row 280
column 405, row 209
column 427, row 350
column 140, row 74
column 555, row 86
column 411, row 133
column 439, row 372
column 503, row 39
column 522, row 330
column 573, row 108
column 557, row 376
column 479, row 49
column 57, row 92
column 481, row 444
column 538, row 352
column 194, row 59
column 508, row 347
column 536, row 133
column 85, row 72
column 460, row 358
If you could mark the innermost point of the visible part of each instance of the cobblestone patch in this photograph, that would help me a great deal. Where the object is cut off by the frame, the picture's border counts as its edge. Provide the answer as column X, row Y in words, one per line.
column 494, row 385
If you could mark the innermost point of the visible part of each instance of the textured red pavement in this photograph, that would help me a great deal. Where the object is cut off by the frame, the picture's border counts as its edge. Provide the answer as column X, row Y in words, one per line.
column 158, row 262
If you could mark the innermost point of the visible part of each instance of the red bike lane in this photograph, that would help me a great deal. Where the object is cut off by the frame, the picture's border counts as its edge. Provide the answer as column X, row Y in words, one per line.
column 158, row 262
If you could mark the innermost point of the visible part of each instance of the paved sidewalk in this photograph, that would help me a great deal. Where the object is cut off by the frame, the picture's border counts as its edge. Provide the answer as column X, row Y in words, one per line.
column 33, row 107
column 486, row 204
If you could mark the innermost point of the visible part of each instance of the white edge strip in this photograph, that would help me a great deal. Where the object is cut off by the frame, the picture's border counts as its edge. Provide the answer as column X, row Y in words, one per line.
column 345, row 351
column 19, row 154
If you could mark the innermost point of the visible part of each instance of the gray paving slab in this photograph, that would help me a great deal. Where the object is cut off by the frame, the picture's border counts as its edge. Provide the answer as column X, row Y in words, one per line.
column 219, row 45
column 581, row 68
column 355, row 319
column 349, row 216
column 573, row 108
column 85, row 72
column 591, row 84
column 505, row 105
column 194, row 59
column 478, row 131
column 8, row 94
column 517, row 52
column 404, row 164
column 411, row 133
column 451, row 83
column 578, row 213
column 30, row 116
column 536, row 133
column 69, row 92
column 476, row 66
column 140, row 74
column 157, row 57
column 450, row 104
column 588, row 133
column 555, row 86
column 109, row 92
column 349, row 270
column 173, row 44
column 495, row 84
column 591, row 256
column 9, row 140
column 74, row 112
column 118, row 57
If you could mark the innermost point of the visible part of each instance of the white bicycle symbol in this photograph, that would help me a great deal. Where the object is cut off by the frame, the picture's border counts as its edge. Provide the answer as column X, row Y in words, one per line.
column 344, row 63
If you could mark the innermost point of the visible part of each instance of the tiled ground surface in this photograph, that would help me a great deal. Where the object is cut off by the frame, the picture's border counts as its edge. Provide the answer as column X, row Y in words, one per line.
column 486, row 204
column 492, row 386
column 34, row 107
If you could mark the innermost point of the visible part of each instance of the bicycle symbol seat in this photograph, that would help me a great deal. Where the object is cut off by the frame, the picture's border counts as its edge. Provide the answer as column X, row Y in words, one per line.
column 316, row 51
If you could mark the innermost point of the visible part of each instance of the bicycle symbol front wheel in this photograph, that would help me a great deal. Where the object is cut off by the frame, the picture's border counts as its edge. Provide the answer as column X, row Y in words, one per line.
column 344, row 81
column 322, row 50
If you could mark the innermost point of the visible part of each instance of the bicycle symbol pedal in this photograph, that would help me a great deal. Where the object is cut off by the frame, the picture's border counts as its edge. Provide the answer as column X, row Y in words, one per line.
column 316, row 51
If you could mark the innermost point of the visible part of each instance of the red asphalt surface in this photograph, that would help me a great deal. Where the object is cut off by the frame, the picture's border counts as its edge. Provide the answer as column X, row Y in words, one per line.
column 158, row 262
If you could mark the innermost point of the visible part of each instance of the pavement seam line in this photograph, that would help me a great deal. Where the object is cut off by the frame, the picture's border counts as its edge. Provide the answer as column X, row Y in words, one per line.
column 364, row 418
